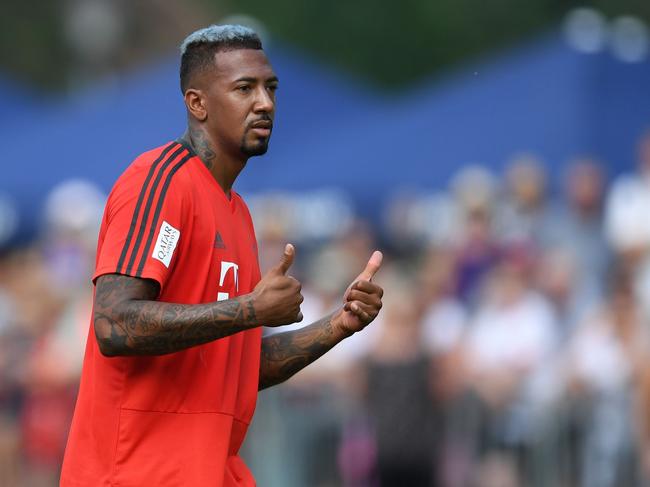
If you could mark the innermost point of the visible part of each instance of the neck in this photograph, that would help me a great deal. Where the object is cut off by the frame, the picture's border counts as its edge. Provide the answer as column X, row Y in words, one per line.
column 224, row 167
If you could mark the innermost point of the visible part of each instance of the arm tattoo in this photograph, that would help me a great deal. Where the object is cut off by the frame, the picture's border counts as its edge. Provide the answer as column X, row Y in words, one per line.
column 128, row 321
column 284, row 354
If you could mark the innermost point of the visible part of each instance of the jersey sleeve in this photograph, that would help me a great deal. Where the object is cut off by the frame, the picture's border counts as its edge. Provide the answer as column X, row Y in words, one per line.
column 143, row 224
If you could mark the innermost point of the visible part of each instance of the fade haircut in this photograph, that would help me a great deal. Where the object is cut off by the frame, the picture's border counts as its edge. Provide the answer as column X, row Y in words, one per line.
column 198, row 48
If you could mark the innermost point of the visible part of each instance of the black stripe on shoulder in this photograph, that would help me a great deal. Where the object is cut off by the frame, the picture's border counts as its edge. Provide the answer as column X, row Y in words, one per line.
column 147, row 207
column 154, row 221
column 186, row 144
column 138, row 204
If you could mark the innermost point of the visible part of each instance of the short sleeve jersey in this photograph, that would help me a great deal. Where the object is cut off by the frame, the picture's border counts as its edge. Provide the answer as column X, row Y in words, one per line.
column 176, row 419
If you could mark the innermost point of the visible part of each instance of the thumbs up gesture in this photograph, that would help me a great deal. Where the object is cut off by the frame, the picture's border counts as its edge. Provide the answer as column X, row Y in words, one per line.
column 277, row 296
column 362, row 300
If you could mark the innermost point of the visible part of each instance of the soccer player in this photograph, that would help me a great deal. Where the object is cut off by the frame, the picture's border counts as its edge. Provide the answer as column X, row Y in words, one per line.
column 175, row 354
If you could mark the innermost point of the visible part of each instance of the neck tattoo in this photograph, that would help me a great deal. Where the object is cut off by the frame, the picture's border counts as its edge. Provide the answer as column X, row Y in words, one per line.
column 199, row 142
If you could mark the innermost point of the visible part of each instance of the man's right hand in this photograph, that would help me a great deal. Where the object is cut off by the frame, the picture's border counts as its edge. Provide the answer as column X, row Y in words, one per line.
column 277, row 298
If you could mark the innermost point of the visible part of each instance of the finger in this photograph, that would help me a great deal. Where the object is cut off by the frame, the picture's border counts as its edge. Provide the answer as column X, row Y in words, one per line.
column 371, row 267
column 368, row 308
column 371, row 310
column 288, row 283
column 286, row 260
column 356, row 308
column 370, row 299
column 295, row 283
column 367, row 287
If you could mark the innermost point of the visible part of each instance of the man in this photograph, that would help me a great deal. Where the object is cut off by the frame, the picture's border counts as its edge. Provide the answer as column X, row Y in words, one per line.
column 167, row 389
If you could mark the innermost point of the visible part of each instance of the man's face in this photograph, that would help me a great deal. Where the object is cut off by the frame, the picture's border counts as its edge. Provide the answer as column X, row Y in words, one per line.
column 240, row 101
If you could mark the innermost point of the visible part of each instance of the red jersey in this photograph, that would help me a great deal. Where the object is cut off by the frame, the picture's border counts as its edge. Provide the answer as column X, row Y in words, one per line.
column 177, row 419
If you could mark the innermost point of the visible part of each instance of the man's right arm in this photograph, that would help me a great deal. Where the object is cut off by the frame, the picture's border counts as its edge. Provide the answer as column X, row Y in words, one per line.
column 128, row 321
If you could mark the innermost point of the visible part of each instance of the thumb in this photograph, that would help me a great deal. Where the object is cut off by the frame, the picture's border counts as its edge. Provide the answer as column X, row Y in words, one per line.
column 371, row 267
column 286, row 259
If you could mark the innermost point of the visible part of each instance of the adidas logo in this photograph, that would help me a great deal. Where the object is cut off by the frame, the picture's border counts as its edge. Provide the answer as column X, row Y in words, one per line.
column 218, row 242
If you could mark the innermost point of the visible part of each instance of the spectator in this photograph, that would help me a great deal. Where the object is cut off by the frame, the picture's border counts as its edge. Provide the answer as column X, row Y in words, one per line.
column 627, row 205
column 523, row 215
column 399, row 396
column 577, row 232
column 510, row 341
column 605, row 359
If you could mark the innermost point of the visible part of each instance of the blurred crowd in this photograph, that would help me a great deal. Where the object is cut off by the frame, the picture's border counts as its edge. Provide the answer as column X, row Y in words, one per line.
column 513, row 348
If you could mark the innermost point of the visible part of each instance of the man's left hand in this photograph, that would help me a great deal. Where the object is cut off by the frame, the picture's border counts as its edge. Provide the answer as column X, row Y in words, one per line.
column 362, row 300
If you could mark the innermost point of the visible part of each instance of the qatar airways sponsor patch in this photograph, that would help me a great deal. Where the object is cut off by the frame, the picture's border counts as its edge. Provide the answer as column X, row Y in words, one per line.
column 166, row 243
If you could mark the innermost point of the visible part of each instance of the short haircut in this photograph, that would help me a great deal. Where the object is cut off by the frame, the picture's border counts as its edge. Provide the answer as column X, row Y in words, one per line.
column 198, row 48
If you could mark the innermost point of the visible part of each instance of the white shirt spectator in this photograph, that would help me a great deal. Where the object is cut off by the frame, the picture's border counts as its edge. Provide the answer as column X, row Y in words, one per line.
column 444, row 325
column 515, row 337
column 626, row 213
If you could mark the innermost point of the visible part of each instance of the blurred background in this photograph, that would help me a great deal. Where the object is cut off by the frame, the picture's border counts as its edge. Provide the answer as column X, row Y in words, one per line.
column 497, row 152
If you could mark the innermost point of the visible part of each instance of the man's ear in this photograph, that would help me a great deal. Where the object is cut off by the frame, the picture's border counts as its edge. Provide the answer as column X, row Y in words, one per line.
column 195, row 103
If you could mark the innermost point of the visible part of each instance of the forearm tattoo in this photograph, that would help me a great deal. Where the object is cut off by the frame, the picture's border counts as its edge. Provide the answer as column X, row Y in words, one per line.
column 128, row 321
column 284, row 354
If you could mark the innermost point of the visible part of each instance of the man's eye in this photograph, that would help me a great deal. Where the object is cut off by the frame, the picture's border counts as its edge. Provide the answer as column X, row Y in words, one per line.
column 272, row 88
column 244, row 88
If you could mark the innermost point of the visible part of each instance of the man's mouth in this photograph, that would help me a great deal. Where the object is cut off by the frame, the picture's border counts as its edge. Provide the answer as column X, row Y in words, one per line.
column 262, row 127
column 262, row 124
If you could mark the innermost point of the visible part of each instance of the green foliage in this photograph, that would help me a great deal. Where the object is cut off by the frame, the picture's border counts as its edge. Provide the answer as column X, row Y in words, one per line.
column 395, row 42
column 31, row 43
column 388, row 43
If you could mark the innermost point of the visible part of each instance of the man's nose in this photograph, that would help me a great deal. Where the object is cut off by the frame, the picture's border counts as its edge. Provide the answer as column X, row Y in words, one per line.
column 264, row 101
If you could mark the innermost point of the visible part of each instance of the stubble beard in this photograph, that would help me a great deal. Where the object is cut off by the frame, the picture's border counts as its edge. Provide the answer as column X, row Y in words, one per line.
column 258, row 148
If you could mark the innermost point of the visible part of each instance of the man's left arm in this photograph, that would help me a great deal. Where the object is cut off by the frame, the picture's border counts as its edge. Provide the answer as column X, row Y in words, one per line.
column 284, row 354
